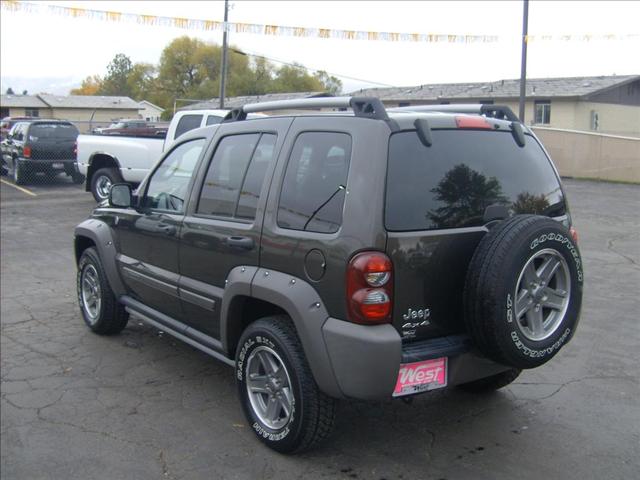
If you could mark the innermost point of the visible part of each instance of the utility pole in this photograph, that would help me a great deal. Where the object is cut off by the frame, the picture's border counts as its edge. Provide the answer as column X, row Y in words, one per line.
column 523, row 66
column 223, row 72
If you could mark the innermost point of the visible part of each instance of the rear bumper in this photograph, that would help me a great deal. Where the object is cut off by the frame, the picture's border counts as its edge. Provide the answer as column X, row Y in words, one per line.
column 66, row 164
column 366, row 359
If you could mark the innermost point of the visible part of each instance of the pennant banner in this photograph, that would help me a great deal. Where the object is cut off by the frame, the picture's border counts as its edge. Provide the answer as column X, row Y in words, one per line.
column 280, row 30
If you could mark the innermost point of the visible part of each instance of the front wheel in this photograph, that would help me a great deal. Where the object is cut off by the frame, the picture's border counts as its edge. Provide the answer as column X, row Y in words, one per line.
column 100, row 310
column 279, row 396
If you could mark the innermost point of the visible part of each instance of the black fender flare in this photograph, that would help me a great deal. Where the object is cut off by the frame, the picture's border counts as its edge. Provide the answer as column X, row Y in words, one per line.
column 299, row 300
column 102, row 236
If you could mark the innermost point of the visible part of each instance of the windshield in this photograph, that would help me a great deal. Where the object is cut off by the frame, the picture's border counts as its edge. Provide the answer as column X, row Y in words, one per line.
column 62, row 131
column 451, row 183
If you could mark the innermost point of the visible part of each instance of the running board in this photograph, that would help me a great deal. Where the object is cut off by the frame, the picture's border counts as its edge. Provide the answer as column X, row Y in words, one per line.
column 175, row 329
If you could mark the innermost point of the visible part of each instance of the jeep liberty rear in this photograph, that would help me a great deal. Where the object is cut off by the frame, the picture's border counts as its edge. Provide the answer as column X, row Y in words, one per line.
column 332, row 255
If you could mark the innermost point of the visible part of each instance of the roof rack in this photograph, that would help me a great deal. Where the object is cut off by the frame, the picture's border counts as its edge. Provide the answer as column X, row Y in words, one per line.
column 365, row 107
column 501, row 112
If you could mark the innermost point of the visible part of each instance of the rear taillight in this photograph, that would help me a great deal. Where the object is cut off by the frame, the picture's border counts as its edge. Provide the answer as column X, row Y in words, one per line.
column 574, row 234
column 370, row 288
column 26, row 151
column 75, row 150
column 472, row 122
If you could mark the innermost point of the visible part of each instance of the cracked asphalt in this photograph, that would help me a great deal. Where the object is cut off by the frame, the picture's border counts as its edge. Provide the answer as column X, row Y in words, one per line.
column 142, row 405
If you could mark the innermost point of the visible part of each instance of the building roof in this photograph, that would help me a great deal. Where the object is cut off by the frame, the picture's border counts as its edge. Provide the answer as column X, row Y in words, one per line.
column 234, row 102
column 22, row 101
column 89, row 101
column 536, row 87
column 43, row 100
column 149, row 104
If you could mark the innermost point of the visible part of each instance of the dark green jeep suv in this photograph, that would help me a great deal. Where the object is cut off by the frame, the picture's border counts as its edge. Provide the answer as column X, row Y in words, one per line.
column 367, row 254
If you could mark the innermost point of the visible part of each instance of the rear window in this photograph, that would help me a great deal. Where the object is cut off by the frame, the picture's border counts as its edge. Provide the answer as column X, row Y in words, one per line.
column 63, row 131
column 186, row 123
column 451, row 183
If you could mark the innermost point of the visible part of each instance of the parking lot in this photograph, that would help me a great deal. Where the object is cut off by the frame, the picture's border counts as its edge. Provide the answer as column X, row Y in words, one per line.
column 143, row 405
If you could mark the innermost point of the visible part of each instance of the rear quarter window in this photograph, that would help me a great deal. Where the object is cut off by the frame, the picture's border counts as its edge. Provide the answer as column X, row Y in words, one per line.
column 452, row 182
column 186, row 123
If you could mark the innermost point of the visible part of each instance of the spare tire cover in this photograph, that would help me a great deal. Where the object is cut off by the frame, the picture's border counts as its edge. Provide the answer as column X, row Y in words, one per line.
column 523, row 291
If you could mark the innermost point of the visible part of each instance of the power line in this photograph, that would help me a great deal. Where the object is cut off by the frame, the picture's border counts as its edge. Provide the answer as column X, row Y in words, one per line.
column 246, row 53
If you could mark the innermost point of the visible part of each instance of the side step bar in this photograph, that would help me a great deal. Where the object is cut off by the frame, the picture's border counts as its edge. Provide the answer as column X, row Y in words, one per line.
column 196, row 339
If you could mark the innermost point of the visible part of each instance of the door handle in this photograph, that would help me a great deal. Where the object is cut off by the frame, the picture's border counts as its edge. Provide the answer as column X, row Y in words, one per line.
column 244, row 243
column 166, row 229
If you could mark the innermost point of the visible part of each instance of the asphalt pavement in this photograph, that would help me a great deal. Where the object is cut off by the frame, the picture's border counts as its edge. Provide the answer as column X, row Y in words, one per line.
column 141, row 405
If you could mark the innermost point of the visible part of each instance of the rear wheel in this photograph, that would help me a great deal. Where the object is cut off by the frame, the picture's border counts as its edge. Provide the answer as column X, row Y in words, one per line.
column 77, row 178
column 282, row 403
column 101, row 182
column 20, row 172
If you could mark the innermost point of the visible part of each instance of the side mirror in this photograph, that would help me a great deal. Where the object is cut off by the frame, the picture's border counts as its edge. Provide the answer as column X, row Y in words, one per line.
column 120, row 195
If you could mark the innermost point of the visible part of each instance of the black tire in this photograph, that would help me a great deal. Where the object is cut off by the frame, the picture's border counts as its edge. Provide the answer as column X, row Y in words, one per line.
column 110, row 175
column 492, row 383
column 497, row 270
column 20, row 173
column 312, row 412
column 110, row 317
column 77, row 178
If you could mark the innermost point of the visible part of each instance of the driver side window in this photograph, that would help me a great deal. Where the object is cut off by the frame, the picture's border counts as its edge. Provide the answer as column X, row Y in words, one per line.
column 168, row 185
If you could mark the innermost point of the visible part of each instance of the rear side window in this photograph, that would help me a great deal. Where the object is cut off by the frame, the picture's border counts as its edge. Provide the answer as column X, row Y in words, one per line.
column 186, row 123
column 315, row 182
column 58, row 131
column 213, row 120
column 235, row 176
column 452, row 182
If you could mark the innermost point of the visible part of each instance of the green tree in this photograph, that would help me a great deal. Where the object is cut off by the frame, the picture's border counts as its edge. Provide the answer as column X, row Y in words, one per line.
column 116, row 80
column 142, row 81
column 294, row 78
column 331, row 84
column 10, row 91
column 464, row 194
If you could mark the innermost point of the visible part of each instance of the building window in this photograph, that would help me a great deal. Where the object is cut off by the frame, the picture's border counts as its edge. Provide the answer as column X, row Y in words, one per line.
column 32, row 112
column 543, row 112
column 404, row 104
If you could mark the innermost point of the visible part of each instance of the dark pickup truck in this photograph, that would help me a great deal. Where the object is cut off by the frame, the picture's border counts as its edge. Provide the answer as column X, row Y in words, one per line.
column 133, row 128
column 370, row 255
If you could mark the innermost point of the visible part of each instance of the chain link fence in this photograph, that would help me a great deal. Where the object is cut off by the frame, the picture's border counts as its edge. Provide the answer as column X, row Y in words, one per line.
column 44, row 152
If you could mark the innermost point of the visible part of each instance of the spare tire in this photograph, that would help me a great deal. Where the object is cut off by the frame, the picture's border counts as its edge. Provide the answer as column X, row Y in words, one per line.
column 523, row 291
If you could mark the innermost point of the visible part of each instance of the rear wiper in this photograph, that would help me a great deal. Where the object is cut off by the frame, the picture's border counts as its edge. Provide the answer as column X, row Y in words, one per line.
column 315, row 212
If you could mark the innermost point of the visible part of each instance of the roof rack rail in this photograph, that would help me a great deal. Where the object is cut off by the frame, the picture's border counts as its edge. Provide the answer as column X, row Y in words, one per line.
column 365, row 107
column 501, row 112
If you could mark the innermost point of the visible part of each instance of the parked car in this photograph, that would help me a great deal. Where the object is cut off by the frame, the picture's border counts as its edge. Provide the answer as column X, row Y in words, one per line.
column 7, row 123
column 133, row 128
column 47, row 146
column 369, row 256
column 105, row 160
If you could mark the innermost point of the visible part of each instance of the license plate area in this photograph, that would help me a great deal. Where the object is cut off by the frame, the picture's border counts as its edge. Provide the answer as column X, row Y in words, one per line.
column 420, row 377
column 58, row 165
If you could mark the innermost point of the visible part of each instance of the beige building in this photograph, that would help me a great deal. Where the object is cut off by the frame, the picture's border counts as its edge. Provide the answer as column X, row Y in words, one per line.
column 608, row 104
column 150, row 111
column 85, row 111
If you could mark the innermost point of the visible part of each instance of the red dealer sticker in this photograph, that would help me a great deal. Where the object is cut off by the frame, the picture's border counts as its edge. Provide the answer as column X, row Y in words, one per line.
column 421, row 376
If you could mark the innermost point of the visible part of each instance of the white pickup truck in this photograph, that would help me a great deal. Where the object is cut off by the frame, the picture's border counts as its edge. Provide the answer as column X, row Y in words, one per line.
column 106, row 159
